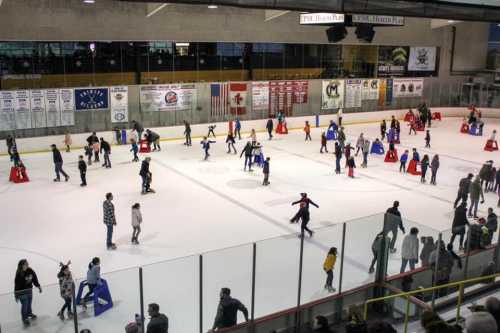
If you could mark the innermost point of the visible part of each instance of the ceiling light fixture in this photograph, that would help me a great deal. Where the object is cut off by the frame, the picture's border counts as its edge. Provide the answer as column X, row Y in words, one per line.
column 451, row 21
column 89, row 1
column 212, row 7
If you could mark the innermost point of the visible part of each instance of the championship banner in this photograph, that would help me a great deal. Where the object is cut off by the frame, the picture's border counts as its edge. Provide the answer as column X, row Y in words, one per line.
column 66, row 103
column 300, row 92
column 389, row 91
column 171, row 97
column 91, row 99
column 408, row 87
column 369, row 90
column 7, row 114
column 332, row 94
column 422, row 59
column 52, row 107
column 283, row 94
column 260, row 96
column 119, row 104
column 37, row 105
column 353, row 94
column 238, row 98
column 22, row 109
column 382, row 90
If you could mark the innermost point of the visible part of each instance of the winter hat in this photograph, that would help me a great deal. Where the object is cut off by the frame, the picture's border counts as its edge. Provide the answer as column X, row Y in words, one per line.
column 481, row 322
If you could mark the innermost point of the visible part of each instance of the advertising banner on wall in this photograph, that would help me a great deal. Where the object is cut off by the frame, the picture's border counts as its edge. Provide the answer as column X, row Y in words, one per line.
column 37, row 105
column 392, row 60
column 422, row 59
column 119, row 104
column 260, row 96
column 168, row 97
column 238, row 98
column 332, row 94
column 389, row 91
column 87, row 99
column 7, row 114
column 410, row 87
column 67, row 107
column 22, row 109
column 353, row 94
column 369, row 90
column 52, row 107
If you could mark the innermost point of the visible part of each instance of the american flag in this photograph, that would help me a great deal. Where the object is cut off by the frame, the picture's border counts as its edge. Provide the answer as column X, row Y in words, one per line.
column 220, row 99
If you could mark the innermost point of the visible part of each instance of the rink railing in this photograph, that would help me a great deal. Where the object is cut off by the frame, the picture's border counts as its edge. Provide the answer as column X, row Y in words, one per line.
column 271, row 276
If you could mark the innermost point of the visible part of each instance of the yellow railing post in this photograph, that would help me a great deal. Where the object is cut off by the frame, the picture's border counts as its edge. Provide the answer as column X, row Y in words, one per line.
column 407, row 313
column 459, row 303
column 365, row 315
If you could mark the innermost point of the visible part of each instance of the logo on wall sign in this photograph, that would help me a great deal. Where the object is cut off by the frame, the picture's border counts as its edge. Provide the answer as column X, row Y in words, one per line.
column 374, row 84
column 118, row 96
column 332, row 90
column 119, row 117
column 92, row 99
column 423, row 57
column 171, row 98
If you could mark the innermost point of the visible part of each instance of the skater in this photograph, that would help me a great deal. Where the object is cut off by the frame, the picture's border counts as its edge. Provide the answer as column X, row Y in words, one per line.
column 307, row 130
column 137, row 126
column 109, row 220
column 136, row 223
column 459, row 224
column 351, row 164
column 392, row 150
column 497, row 180
column 106, row 148
column 476, row 193
column 491, row 183
column 153, row 138
column 338, row 157
column 409, row 250
column 16, row 159
column 206, row 146
column 266, row 171
column 493, row 135
column 442, row 264
column 187, row 133
column 393, row 221
column 303, row 200
column 424, row 165
column 23, row 290
column 253, row 136
column 339, row 117
column 237, row 128
column 93, row 280
column 427, row 248
column 227, row 311
column 323, row 143
column 413, row 127
column 347, row 152
column 146, row 176
column 93, row 142
column 434, row 168
column 415, row 155
column 463, row 189
column 248, row 150
column 359, row 144
column 230, row 142
column 427, row 139
column 328, row 267
column 383, row 129
column 118, row 135
column 269, row 127
column 398, row 129
column 429, row 117
column 58, row 163
column 82, row 167
column 211, row 131
column 66, row 287
column 485, row 173
column 258, row 157
column 88, row 152
column 365, row 150
column 10, row 141
column 67, row 141
column 491, row 224
column 341, row 138
column 402, row 161
column 158, row 322
column 393, row 122
column 376, row 248
column 135, row 150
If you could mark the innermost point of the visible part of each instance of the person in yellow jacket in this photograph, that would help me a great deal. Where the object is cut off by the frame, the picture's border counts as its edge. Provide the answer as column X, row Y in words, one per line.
column 328, row 266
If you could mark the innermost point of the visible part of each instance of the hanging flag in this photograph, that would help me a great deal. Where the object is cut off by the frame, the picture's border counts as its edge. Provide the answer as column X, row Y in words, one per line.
column 219, row 93
column 238, row 95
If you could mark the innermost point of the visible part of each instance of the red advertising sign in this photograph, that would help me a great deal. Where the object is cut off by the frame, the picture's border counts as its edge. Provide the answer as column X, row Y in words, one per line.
column 283, row 94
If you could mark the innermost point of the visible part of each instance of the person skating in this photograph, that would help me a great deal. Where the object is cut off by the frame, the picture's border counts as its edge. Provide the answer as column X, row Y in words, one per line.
column 304, row 214
column 88, row 152
column 66, row 289
column 351, row 165
column 153, row 138
column 463, row 190
column 413, row 127
column 434, row 168
column 338, row 157
column 187, row 133
column 106, row 149
column 427, row 139
column 118, row 135
column 359, row 143
column 415, row 155
column 146, row 176
column 25, row 279
column 136, row 223
column 328, row 267
column 307, row 130
column 341, row 137
column 158, row 322
column 258, row 156
column 230, row 142
column 409, row 250
column 269, row 127
column 205, row 144
column 365, row 150
column 303, row 200
column 109, row 220
column 347, row 152
column 476, row 194
column 323, row 143
column 137, row 126
column 135, row 150
column 427, row 247
column 58, row 163
column 376, row 248
column 393, row 222
column 82, row 167
column 247, row 150
column 10, row 141
column 459, row 224
column 491, row 224
column 67, row 141
column 93, row 142
column 227, row 311
column 266, row 171
column 211, row 131
column 383, row 129
column 424, row 165
column 93, row 280
column 237, row 128
column 485, row 173
column 339, row 117
column 393, row 122
column 491, row 183
column 402, row 161
column 253, row 136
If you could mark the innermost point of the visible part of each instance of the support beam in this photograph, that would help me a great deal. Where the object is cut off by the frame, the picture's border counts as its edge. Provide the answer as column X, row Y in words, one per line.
column 437, row 23
column 272, row 14
column 153, row 8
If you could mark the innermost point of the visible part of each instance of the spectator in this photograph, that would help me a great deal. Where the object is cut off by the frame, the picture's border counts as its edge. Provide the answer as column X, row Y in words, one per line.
column 481, row 322
column 432, row 323
column 158, row 322
column 393, row 221
column 23, row 289
column 441, row 266
column 409, row 251
column 492, row 305
column 355, row 324
column 491, row 224
column 427, row 248
column 380, row 326
column 321, row 325
column 227, row 310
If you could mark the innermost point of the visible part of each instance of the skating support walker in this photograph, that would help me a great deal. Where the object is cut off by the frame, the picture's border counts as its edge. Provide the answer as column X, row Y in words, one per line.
column 491, row 145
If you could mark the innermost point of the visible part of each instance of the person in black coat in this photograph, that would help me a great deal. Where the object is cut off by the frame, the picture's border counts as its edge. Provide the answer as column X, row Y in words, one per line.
column 266, row 172
column 137, row 126
column 303, row 214
column 146, row 176
column 82, row 167
column 106, row 149
column 187, row 133
column 338, row 157
column 230, row 142
column 23, row 289
column 269, row 127
column 158, row 322
column 153, row 138
column 227, row 311
column 58, row 163
column 393, row 221
column 10, row 143
column 463, row 190
column 459, row 224
column 92, row 140
column 248, row 155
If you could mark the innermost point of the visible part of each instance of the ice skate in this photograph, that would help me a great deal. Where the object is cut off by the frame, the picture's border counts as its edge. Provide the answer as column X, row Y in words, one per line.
column 331, row 289
column 70, row 315
column 60, row 315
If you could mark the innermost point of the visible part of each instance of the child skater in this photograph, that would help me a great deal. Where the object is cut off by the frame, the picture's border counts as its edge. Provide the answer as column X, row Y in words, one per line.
column 67, row 141
column 230, row 142
column 135, row 150
column 323, row 143
column 88, row 153
column 427, row 139
column 416, row 156
column 493, row 135
column 307, row 130
column 383, row 130
column 82, row 167
column 402, row 160
column 392, row 150
column 413, row 127
column 258, row 157
column 360, row 143
column 206, row 146
column 253, row 136
column 423, row 166
column 136, row 223
column 211, row 130
column 351, row 165
column 266, row 172
column 66, row 285
column 328, row 266
column 347, row 152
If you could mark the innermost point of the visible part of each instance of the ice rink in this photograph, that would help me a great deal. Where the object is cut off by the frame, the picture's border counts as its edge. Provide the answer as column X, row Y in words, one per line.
column 202, row 206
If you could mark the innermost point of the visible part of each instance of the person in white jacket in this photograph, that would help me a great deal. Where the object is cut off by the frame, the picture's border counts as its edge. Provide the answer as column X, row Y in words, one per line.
column 409, row 251
column 136, row 223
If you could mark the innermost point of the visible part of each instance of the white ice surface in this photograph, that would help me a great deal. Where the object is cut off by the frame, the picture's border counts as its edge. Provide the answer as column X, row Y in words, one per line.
column 204, row 206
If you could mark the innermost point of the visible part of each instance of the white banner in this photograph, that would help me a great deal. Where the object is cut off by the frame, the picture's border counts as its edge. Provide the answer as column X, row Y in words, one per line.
column 52, row 107
column 22, row 109
column 353, row 94
column 173, row 97
column 67, row 104
column 37, row 104
column 369, row 90
column 7, row 114
column 260, row 96
column 422, row 59
column 119, row 104
column 408, row 87
column 332, row 94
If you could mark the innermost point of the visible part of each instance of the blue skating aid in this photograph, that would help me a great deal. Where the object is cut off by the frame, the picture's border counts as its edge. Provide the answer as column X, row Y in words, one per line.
column 331, row 135
column 377, row 148
column 101, row 297
column 476, row 131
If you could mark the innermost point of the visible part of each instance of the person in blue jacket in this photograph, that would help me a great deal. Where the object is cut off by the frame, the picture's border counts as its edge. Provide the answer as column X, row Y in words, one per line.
column 237, row 128
column 206, row 146
column 416, row 156
column 402, row 160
